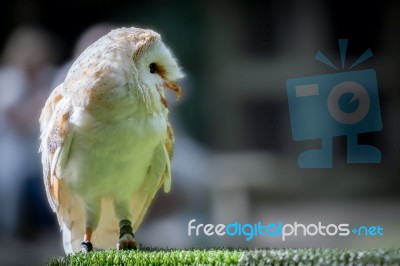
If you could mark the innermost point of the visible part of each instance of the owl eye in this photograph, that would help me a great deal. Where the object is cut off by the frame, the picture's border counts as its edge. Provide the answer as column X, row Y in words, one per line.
column 152, row 67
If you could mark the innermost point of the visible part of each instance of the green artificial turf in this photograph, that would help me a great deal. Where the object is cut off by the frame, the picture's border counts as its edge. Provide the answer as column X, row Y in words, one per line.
column 308, row 256
column 322, row 256
column 152, row 257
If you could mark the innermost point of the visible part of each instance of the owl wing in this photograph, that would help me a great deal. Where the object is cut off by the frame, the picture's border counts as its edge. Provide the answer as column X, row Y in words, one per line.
column 168, row 148
column 55, row 144
column 159, row 174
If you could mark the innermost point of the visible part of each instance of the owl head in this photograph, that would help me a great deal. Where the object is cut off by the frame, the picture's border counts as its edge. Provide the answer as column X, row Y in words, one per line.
column 126, row 65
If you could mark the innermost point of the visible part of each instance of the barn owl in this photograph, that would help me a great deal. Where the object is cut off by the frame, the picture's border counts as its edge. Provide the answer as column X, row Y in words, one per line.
column 106, row 142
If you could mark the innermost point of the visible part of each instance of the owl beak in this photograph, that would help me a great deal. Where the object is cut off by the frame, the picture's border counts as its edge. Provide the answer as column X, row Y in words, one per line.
column 174, row 87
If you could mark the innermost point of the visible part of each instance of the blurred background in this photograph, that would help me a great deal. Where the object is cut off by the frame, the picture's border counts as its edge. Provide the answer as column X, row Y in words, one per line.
column 235, row 156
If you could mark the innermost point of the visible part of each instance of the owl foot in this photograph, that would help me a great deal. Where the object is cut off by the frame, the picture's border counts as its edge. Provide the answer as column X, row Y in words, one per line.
column 86, row 247
column 127, row 242
column 126, row 237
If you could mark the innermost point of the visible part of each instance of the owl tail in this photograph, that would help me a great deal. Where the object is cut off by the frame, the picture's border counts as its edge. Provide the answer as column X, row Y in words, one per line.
column 71, row 219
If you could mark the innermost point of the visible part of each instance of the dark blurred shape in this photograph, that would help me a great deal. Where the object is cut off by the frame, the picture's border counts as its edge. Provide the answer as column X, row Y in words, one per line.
column 25, row 74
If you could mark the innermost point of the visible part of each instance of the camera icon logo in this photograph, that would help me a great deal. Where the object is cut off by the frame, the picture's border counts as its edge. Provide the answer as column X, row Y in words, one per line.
column 339, row 104
column 358, row 92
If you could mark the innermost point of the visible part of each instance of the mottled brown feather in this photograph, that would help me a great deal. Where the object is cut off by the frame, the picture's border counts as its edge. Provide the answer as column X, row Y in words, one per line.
column 174, row 87
column 169, row 141
column 54, row 124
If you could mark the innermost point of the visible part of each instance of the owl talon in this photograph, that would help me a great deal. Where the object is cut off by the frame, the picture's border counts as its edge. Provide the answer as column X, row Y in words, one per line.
column 127, row 242
column 126, row 237
column 86, row 247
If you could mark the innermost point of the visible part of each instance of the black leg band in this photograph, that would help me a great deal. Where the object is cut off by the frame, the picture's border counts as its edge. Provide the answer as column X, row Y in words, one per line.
column 125, row 227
